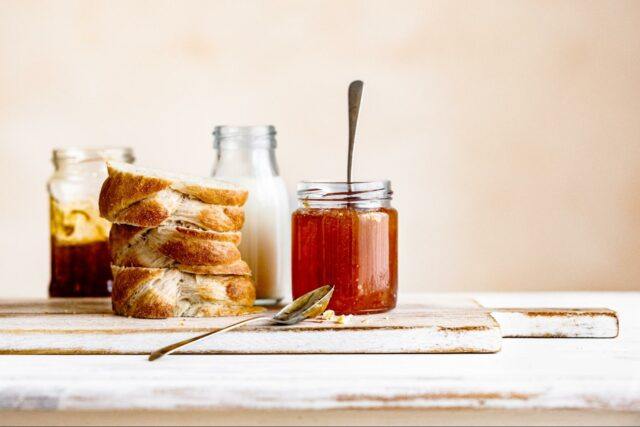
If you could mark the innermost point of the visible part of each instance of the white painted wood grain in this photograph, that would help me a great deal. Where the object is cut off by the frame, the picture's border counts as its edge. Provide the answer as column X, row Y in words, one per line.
column 329, row 341
column 440, row 325
column 316, row 382
column 557, row 323
column 423, row 324
column 601, row 375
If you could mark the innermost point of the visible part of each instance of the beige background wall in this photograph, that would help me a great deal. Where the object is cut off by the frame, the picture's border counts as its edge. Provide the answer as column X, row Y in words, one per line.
column 510, row 130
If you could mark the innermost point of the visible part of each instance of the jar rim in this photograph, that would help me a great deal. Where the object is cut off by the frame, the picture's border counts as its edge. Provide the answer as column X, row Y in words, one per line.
column 89, row 154
column 340, row 191
column 261, row 136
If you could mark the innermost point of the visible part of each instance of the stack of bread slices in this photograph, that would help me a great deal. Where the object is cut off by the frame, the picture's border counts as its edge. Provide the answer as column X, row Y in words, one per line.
column 174, row 244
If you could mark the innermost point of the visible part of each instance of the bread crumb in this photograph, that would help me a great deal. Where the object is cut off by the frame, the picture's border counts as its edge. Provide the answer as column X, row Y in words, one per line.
column 343, row 320
column 329, row 315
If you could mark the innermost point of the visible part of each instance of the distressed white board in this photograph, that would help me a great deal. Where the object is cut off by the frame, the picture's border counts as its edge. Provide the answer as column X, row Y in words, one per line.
column 576, row 377
column 557, row 322
column 86, row 326
column 436, row 324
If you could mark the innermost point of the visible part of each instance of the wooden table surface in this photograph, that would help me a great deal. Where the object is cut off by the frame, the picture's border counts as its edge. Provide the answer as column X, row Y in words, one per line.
column 567, row 381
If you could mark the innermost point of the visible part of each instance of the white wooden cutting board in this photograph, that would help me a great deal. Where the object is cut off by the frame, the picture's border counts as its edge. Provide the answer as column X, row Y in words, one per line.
column 441, row 324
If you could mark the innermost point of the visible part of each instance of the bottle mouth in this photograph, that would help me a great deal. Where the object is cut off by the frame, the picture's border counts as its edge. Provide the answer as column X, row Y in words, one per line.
column 344, row 192
column 92, row 154
column 244, row 137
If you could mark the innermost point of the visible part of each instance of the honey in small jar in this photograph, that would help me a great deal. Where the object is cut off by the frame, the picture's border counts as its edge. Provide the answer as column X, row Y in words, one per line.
column 80, row 260
column 346, row 235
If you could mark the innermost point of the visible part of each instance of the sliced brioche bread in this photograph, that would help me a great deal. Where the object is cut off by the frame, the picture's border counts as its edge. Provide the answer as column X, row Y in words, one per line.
column 151, row 211
column 169, row 207
column 208, row 217
column 160, row 293
column 128, row 184
column 166, row 247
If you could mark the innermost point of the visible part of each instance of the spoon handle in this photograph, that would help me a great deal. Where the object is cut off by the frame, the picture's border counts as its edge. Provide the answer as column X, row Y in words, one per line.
column 173, row 347
column 355, row 95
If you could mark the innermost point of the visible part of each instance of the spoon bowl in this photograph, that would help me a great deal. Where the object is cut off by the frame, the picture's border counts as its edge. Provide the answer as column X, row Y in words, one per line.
column 308, row 305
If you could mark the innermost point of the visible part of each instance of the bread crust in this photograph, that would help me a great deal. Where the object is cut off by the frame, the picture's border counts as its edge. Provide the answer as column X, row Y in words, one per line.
column 213, row 196
column 190, row 234
column 121, row 189
column 123, row 236
column 131, row 281
column 156, row 211
column 221, row 218
column 145, row 213
column 211, row 309
column 238, row 290
column 165, row 247
column 126, row 186
column 199, row 252
column 155, row 293
column 237, row 268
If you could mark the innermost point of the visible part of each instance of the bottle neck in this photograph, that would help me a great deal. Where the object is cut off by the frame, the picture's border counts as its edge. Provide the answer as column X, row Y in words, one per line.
column 245, row 162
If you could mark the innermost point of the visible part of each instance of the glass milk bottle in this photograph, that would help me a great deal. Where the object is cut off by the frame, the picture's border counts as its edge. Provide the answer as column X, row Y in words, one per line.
column 246, row 156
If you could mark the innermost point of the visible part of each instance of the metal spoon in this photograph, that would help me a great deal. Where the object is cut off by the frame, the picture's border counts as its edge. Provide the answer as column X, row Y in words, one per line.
column 354, row 97
column 308, row 305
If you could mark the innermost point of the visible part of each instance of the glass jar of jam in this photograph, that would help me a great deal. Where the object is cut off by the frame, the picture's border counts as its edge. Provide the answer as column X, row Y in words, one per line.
column 80, row 260
column 346, row 235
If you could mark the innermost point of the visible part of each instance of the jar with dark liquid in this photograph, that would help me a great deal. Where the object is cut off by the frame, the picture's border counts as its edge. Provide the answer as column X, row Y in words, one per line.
column 80, row 260
column 346, row 235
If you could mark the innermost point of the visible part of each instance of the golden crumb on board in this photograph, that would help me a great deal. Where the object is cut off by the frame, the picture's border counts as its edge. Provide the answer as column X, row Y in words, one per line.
column 343, row 320
column 330, row 316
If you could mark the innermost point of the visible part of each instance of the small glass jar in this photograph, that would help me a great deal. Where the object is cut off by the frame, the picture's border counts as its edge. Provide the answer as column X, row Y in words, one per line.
column 346, row 235
column 80, row 260
column 246, row 156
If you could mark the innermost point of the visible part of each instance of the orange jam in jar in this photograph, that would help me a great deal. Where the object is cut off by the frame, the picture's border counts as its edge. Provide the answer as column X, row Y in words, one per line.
column 346, row 235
